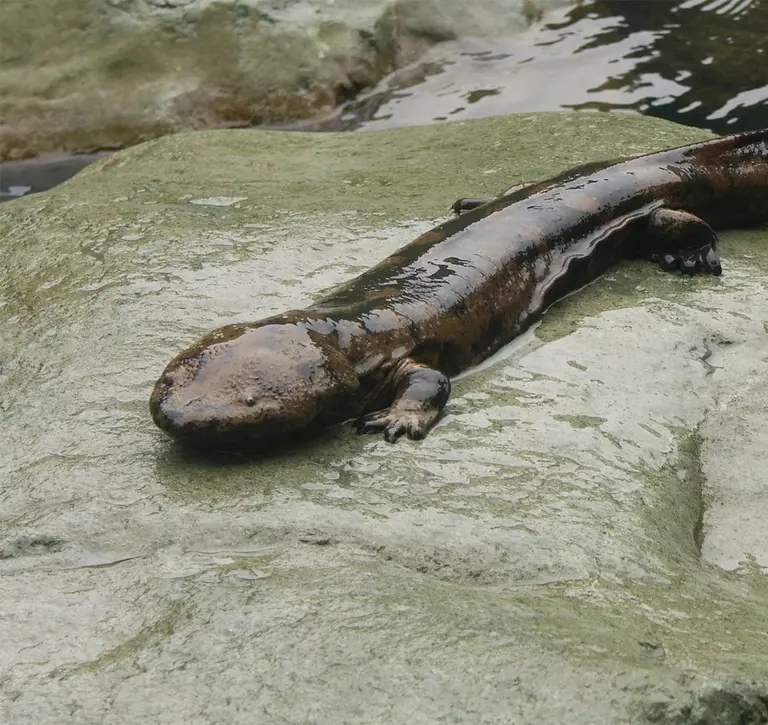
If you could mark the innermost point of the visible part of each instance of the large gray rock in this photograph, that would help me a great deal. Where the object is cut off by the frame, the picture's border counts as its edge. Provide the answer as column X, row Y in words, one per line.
column 537, row 559
column 80, row 75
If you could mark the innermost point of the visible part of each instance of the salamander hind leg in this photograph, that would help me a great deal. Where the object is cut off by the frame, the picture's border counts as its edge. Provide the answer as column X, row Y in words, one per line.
column 420, row 397
column 679, row 240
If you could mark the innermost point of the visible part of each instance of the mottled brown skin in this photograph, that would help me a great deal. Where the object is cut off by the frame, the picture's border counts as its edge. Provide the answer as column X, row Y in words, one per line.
column 382, row 347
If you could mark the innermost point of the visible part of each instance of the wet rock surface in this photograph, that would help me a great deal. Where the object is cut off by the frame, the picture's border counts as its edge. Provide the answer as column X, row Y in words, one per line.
column 578, row 541
column 85, row 75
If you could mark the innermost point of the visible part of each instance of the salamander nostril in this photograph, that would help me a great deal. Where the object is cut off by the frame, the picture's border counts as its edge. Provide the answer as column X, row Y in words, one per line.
column 249, row 400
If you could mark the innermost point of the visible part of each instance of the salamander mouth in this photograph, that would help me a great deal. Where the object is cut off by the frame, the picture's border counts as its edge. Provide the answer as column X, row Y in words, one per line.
column 224, row 435
column 199, row 424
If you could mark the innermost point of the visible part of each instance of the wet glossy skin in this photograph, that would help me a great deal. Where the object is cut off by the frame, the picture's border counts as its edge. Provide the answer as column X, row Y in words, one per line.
column 455, row 295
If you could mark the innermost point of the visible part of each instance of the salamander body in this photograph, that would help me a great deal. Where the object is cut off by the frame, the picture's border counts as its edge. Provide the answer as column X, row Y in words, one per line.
column 382, row 348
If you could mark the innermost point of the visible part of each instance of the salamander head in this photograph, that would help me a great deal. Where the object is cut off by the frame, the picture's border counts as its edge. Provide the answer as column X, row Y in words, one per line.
column 244, row 384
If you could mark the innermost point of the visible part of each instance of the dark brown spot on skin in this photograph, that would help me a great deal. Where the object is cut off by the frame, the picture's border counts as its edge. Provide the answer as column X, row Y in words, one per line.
column 380, row 293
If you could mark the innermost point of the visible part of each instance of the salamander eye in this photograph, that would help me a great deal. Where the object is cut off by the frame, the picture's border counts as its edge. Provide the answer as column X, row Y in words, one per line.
column 249, row 400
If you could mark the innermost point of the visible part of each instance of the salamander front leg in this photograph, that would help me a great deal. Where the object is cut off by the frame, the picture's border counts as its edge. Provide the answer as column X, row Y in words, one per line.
column 462, row 205
column 419, row 399
column 680, row 240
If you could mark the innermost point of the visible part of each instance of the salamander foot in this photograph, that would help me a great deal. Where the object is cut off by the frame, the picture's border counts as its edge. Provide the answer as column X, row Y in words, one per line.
column 681, row 241
column 462, row 205
column 421, row 394
column 396, row 422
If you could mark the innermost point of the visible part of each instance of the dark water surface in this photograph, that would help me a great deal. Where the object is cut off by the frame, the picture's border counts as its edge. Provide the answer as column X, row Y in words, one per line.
column 701, row 62
column 18, row 178
column 697, row 62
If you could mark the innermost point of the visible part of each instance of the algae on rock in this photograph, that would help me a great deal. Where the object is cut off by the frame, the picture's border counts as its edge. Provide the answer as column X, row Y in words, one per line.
column 535, row 559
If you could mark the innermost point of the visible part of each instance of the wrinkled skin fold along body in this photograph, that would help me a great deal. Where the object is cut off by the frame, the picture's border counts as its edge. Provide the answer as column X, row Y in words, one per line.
column 381, row 349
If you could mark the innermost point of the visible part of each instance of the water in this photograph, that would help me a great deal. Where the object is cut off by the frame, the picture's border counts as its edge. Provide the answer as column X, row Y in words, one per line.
column 18, row 178
column 700, row 62
column 697, row 62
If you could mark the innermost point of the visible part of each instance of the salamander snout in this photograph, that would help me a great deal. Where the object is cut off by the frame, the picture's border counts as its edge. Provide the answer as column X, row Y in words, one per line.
column 243, row 384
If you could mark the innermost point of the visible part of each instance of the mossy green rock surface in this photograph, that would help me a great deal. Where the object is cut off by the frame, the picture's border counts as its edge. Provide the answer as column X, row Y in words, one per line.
column 579, row 540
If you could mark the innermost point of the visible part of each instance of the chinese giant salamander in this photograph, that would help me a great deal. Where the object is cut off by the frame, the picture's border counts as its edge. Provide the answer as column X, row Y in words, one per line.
column 381, row 348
